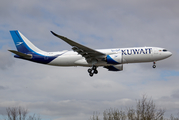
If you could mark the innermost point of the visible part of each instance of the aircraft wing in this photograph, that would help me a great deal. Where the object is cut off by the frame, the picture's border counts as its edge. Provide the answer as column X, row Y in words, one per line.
column 86, row 52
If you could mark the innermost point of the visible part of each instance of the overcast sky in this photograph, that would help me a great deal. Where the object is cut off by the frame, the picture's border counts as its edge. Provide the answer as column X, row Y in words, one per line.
column 66, row 93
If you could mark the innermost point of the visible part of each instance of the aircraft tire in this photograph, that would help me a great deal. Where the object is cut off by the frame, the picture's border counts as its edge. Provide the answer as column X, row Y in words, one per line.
column 94, row 67
column 95, row 72
column 154, row 66
column 91, row 74
column 89, row 70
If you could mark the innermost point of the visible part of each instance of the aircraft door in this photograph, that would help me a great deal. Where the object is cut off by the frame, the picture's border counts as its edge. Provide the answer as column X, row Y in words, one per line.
column 155, row 53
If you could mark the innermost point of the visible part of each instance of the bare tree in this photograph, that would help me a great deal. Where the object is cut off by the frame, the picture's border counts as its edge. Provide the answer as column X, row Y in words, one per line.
column 19, row 113
column 174, row 118
column 34, row 117
column 16, row 113
column 131, row 114
column 114, row 114
column 145, row 110
column 95, row 116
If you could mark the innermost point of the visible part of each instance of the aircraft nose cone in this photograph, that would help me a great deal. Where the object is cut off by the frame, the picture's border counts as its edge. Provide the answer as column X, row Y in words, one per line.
column 170, row 54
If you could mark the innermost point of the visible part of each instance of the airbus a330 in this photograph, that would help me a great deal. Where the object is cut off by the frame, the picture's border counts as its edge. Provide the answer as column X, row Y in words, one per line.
column 111, row 59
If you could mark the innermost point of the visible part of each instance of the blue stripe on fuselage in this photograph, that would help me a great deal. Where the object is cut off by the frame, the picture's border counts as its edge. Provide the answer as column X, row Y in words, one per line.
column 23, row 47
column 40, row 58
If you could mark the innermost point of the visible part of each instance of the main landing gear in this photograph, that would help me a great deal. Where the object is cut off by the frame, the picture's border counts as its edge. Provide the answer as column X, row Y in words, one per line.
column 154, row 66
column 92, row 71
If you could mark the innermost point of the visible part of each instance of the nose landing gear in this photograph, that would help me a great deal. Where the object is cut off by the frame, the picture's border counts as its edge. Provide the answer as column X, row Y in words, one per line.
column 92, row 71
column 154, row 66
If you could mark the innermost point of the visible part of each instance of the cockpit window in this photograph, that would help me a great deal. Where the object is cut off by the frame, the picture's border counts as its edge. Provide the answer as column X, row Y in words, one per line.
column 164, row 50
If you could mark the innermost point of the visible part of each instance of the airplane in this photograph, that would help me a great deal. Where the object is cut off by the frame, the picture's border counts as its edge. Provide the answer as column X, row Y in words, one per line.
column 111, row 59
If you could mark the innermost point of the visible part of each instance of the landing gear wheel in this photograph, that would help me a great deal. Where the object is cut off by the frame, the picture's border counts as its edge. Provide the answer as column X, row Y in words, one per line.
column 92, row 71
column 94, row 67
column 95, row 72
column 91, row 74
column 89, row 70
column 154, row 66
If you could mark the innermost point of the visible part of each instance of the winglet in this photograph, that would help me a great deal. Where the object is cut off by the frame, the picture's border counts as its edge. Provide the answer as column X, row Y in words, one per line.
column 63, row 38
column 53, row 33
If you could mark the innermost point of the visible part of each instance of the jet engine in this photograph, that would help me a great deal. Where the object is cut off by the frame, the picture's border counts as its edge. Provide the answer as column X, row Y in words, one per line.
column 114, row 59
column 115, row 67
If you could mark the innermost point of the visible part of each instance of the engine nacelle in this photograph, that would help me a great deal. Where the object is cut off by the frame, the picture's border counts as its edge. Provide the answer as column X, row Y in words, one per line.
column 115, row 67
column 114, row 59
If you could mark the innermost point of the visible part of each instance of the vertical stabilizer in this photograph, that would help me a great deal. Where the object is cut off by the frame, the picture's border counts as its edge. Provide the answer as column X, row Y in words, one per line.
column 22, row 43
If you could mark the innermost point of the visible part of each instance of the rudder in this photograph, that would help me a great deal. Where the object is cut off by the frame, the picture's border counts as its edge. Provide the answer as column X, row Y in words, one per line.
column 22, row 43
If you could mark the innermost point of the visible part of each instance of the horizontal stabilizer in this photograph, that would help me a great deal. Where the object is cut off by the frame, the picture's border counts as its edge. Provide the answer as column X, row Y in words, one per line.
column 21, row 54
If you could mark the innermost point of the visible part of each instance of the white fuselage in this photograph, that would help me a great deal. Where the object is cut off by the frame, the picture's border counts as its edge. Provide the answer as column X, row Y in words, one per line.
column 111, row 59
column 129, row 55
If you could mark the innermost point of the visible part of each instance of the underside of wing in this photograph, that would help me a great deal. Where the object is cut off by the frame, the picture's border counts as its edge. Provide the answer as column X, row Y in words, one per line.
column 88, row 53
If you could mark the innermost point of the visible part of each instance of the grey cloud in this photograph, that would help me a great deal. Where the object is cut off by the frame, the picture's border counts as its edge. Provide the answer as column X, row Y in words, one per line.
column 3, row 88
column 5, row 9
column 175, row 94
column 6, row 59
column 69, row 92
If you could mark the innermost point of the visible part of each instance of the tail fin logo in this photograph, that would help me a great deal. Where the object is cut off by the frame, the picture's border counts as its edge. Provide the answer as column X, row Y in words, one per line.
column 19, row 43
